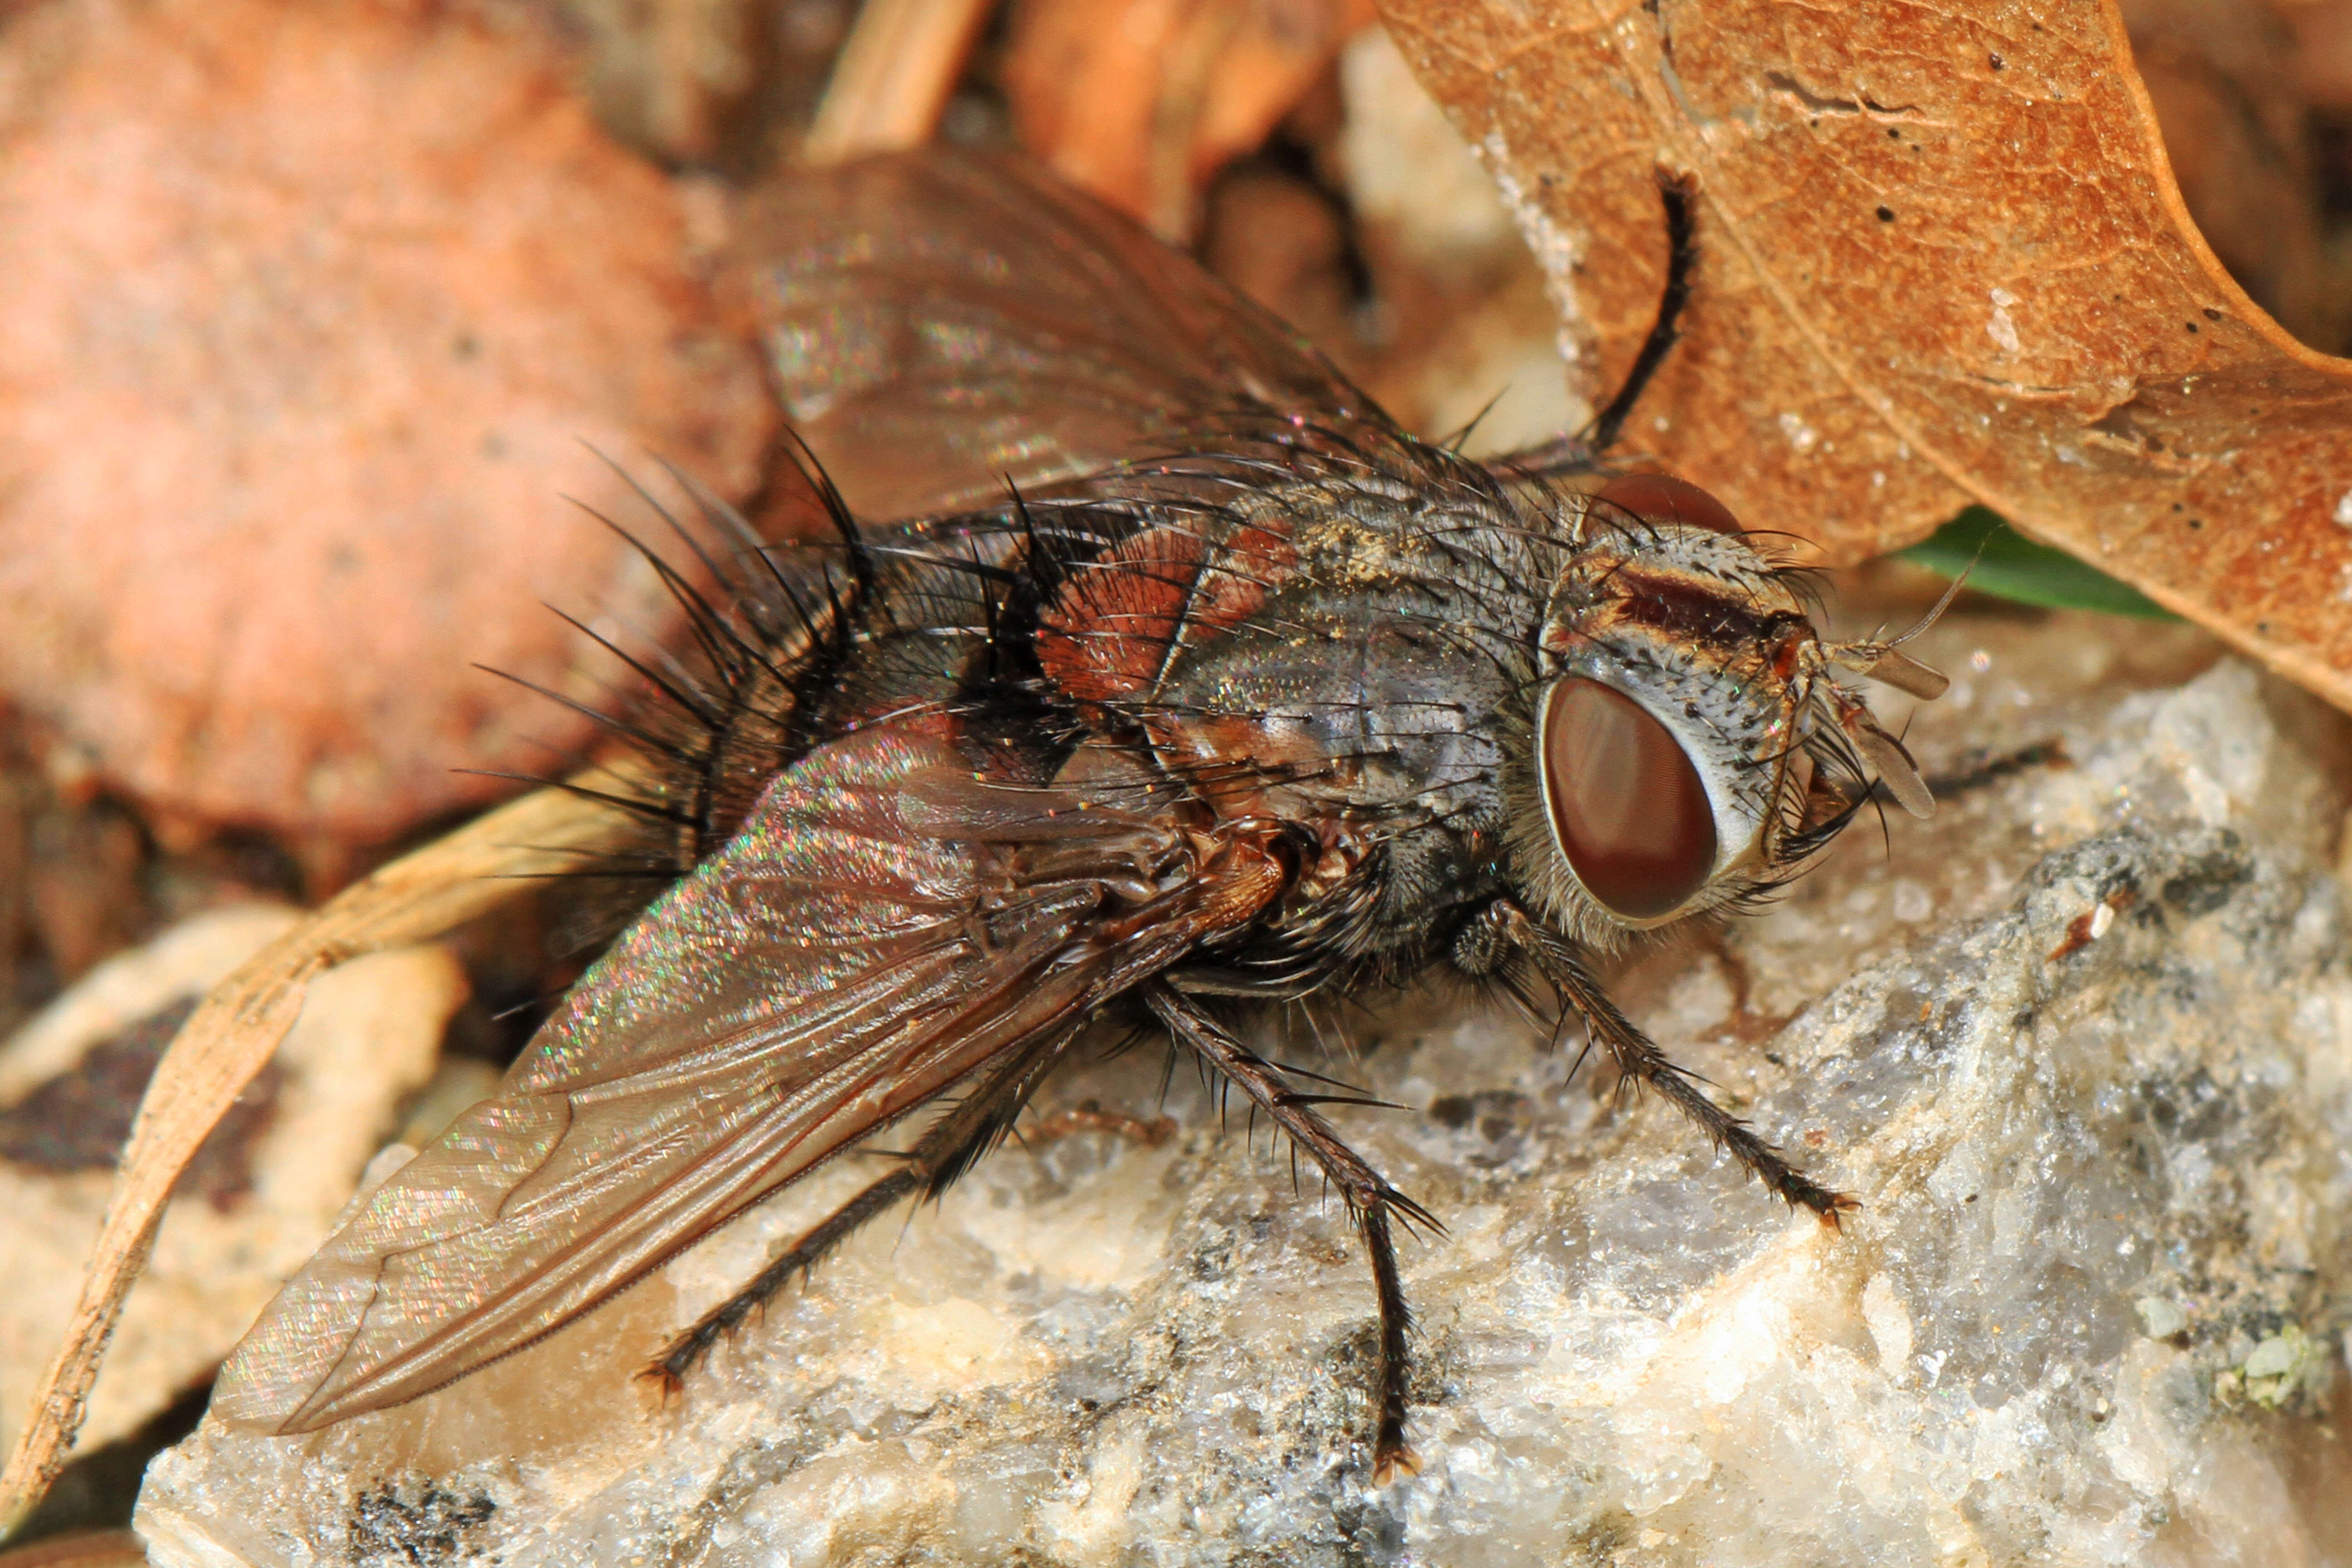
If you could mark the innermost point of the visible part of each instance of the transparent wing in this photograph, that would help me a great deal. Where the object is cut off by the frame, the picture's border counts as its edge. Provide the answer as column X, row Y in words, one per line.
column 941, row 322
column 870, row 938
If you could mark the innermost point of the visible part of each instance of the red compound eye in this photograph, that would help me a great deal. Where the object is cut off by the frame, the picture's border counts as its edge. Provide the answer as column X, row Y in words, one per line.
column 1663, row 498
column 1627, row 806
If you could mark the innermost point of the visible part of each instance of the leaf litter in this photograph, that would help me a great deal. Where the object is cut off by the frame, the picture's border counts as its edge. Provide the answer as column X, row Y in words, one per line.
column 1982, row 308
column 1944, row 260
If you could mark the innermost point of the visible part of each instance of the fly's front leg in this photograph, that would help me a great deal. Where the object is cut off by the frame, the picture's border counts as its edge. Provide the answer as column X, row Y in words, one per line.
column 1678, row 194
column 1367, row 1195
column 1581, row 453
column 1505, row 924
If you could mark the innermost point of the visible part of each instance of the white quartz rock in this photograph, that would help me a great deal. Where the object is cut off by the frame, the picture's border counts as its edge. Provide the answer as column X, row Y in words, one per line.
column 2090, row 1312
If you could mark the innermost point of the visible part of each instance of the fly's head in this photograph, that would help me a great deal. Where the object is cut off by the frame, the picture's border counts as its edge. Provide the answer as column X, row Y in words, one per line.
column 1690, row 747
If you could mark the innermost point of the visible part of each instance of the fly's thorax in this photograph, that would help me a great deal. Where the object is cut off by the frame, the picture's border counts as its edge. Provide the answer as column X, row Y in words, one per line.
column 1675, row 666
column 1324, row 639
column 1356, row 693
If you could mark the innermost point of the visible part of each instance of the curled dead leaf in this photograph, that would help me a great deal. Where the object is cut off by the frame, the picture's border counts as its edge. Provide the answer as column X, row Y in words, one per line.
column 309, row 312
column 1944, row 258
column 2214, row 70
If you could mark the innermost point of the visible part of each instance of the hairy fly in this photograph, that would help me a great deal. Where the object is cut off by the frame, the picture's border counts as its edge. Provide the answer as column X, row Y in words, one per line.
column 1149, row 668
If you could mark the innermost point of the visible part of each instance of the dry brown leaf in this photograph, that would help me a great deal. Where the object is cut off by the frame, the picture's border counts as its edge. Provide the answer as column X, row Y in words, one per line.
column 308, row 313
column 2220, row 75
column 240, row 1025
column 2322, row 58
column 1141, row 101
column 1943, row 258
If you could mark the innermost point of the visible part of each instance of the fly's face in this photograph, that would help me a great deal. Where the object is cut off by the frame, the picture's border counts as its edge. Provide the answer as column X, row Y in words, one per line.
column 1689, row 748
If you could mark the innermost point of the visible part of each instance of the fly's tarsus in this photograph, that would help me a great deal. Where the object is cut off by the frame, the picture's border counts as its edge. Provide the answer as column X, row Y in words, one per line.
column 670, row 1369
column 1641, row 1060
column 1392, row 1459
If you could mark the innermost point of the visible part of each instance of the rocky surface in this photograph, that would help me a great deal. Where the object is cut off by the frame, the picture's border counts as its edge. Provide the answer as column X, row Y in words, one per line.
column 2082, row 1047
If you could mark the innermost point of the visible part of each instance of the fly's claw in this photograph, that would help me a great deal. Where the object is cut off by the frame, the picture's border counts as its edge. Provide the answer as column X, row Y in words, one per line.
column 1827, row 1206
column 1390, row 1465
column 665, row 1379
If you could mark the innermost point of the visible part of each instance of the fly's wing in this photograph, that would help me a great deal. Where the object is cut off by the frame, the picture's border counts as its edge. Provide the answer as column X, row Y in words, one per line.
column 941, row 322
column 856, row 950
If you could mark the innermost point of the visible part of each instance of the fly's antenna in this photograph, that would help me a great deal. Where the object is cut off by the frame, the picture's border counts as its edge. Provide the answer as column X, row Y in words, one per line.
column 1880, row 660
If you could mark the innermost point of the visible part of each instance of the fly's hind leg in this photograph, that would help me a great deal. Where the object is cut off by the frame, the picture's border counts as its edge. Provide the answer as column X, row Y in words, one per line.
column 946, row 1149
column 1639, row 1057
column 1367, row 1195
column 678, row 1358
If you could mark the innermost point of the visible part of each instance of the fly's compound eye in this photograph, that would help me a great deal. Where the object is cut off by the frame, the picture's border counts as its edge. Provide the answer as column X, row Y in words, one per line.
column 1627, row 806
column 1663, row 498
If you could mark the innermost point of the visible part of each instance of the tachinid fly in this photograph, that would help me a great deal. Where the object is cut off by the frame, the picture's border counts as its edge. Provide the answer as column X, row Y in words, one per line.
column 1152, row 671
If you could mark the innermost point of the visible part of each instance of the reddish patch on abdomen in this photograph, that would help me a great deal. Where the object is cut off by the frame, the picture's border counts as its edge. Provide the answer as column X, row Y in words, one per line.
column 1111, row 632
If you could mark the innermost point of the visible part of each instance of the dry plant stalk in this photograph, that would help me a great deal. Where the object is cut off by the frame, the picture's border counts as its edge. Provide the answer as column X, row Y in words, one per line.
column 1140, row 103
column 98, row 1549
column 232, row 1034
column 893, row 77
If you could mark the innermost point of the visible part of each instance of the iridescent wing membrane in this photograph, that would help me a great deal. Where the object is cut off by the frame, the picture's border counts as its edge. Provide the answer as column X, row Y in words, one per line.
column 942, row 325
column 883, row 926
column 867, row 940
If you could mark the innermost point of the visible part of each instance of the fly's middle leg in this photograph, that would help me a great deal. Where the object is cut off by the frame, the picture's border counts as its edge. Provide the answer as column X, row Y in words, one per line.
column 1368, row 1194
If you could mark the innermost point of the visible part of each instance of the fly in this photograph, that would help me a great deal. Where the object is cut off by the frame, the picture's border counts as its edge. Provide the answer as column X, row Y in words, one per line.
column 1152, row 671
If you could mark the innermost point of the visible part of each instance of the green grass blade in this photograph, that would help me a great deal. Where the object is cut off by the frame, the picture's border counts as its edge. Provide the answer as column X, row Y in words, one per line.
column 2008, row 565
